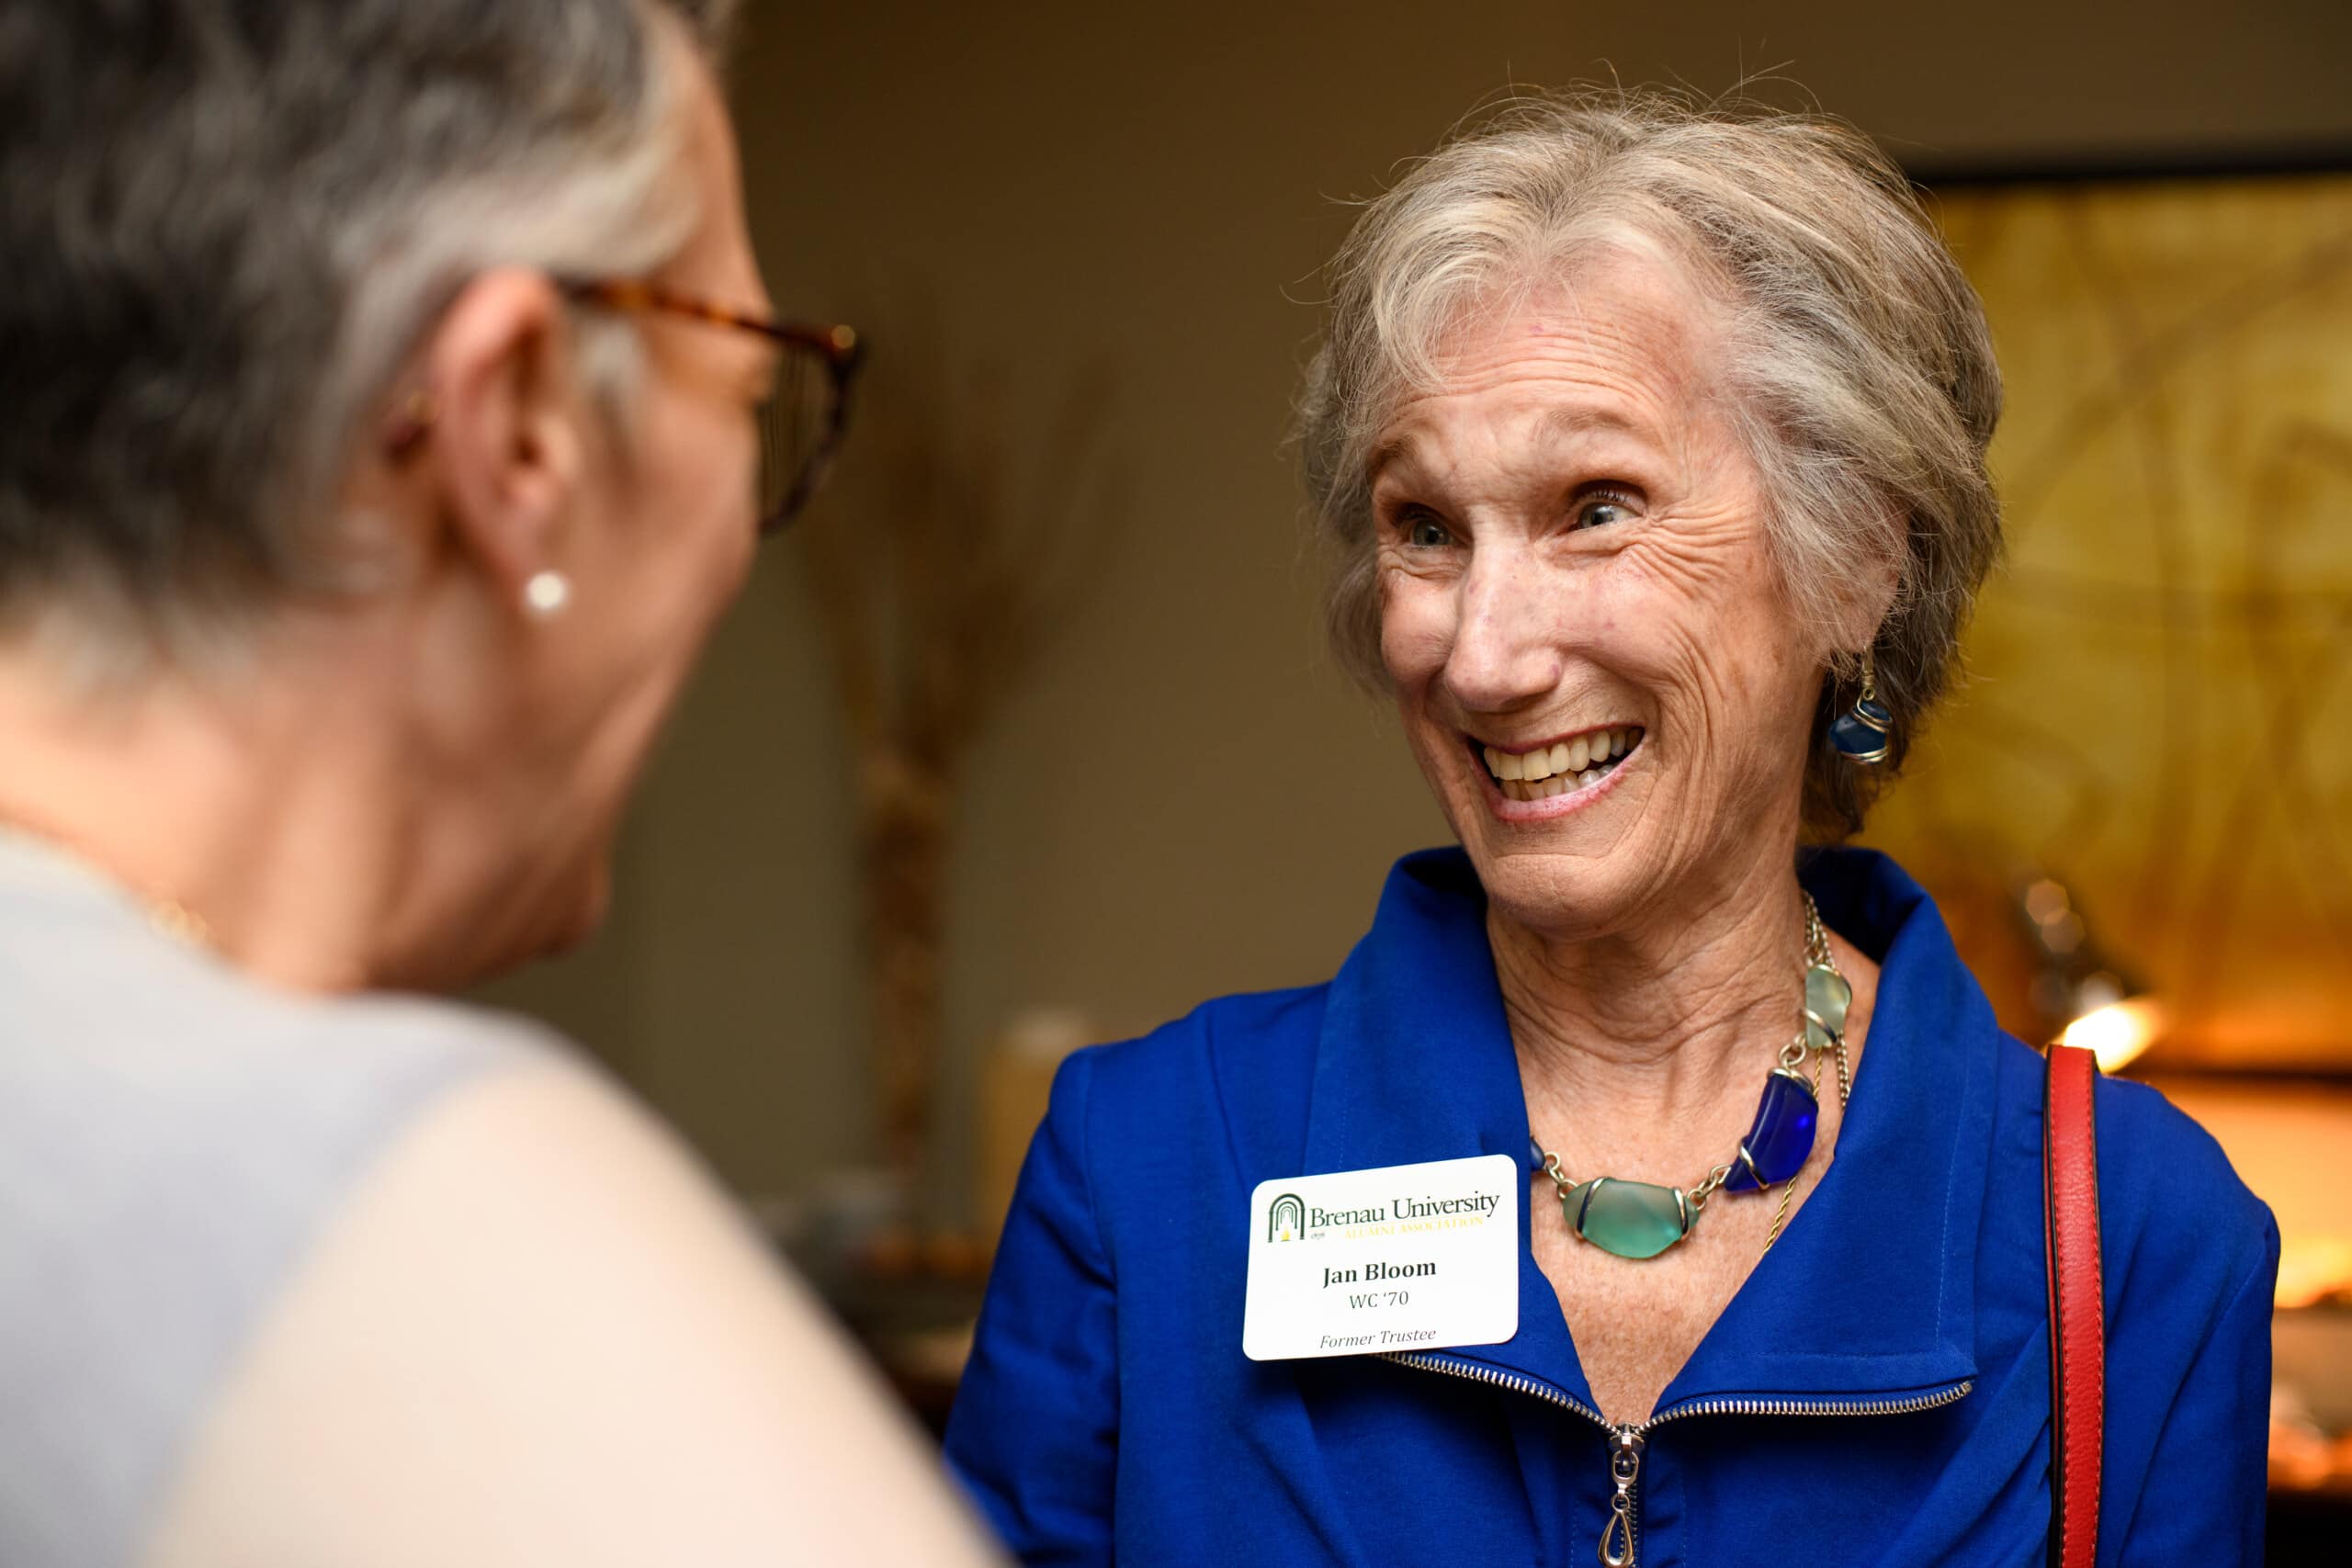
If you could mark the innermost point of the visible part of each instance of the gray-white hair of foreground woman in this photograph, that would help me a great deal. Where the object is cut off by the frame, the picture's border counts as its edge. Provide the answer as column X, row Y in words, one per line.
column 261, row 212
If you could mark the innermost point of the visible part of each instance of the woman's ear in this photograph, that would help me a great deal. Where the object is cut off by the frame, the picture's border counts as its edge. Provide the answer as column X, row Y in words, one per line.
column 1868, row 595
column 506, row 442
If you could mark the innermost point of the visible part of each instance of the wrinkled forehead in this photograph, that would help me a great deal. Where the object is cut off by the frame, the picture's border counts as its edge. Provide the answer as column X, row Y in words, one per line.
column 1621, row 339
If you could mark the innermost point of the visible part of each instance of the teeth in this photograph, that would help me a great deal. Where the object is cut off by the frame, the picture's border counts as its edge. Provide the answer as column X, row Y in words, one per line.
column 1562, row 767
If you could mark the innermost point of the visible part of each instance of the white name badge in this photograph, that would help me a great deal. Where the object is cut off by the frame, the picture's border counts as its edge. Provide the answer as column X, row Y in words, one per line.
column 1371, row 1262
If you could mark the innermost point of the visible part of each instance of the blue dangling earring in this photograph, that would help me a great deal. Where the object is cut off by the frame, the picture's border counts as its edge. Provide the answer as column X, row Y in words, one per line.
column 1864, row 732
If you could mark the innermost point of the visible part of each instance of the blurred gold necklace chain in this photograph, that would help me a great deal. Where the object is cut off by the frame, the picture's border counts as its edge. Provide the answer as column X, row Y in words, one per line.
column 167, row 915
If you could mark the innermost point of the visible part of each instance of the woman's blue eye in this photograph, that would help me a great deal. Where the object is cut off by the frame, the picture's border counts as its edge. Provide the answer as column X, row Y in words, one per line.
column 1428, row 534
column 1601, row 511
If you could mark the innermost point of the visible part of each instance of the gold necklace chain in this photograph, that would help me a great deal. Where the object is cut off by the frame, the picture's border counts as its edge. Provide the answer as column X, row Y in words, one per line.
column 1789, row 1187
column 166, row 914
column 1818, row 951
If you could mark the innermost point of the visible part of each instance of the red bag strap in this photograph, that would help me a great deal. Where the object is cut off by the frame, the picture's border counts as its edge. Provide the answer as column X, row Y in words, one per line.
column 2078, row 1306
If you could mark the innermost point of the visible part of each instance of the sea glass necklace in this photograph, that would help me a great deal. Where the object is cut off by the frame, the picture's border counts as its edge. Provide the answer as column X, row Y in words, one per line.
column 1640, row 1219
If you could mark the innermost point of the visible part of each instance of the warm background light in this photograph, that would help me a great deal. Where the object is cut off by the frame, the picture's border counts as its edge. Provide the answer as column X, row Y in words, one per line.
column 2117, row 1032
column 2315, row 1271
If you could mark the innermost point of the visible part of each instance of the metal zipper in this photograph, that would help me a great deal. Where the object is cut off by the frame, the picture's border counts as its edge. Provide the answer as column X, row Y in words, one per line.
column 1627, row 1443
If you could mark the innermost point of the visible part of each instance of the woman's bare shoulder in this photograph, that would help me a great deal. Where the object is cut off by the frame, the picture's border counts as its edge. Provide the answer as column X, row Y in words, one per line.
column 537, row 1332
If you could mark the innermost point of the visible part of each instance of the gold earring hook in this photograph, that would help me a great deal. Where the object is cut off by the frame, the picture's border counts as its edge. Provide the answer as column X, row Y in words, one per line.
column 418, row 411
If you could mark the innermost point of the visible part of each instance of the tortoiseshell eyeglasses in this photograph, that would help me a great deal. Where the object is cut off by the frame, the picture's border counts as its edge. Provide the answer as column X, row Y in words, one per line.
column 802, row 421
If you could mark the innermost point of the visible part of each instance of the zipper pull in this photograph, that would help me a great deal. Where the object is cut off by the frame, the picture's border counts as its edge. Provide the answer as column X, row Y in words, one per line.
column 1624, row 1470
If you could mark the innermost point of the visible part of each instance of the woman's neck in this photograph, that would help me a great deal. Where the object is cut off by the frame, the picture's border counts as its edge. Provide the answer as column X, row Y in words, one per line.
column 1638, row 1047
column 259, row 809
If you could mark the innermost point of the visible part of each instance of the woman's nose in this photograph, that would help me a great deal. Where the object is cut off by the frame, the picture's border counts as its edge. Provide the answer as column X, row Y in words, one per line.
column 1506, row 648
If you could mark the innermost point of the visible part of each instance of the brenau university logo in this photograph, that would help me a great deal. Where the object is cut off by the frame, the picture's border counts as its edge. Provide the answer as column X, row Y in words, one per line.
column 1286, row 1221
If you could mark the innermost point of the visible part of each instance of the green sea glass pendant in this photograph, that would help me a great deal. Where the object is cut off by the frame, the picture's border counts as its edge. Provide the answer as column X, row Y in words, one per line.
column 1826, row 998
column 1632, row 1219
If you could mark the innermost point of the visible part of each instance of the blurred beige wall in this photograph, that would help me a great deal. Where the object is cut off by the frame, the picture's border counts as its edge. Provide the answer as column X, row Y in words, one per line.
column 1187, row 800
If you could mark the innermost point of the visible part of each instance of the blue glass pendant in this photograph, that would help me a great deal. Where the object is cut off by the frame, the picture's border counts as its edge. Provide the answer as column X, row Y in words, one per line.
column 1777, row 1145
column 1860, row 732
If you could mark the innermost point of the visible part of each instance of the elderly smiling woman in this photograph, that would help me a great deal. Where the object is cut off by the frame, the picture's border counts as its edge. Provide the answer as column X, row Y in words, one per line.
column 1652, row 441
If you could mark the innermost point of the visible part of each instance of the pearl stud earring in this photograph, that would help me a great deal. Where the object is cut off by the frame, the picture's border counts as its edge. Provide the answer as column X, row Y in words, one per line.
column 545, row 594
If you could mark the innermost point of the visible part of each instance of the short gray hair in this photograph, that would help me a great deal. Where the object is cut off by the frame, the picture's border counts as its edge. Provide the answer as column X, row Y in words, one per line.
column 1860, row 368
column 224, row 225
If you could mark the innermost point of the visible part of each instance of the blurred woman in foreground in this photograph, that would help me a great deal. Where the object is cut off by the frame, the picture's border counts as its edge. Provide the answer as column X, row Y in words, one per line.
column 380, row 446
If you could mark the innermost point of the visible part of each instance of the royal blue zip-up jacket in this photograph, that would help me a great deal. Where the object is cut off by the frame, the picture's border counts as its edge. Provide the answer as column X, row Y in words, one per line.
column 1878, row 1391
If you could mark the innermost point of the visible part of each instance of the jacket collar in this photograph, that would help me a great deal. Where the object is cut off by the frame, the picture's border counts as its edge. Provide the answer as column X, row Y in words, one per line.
column 1872, row 1291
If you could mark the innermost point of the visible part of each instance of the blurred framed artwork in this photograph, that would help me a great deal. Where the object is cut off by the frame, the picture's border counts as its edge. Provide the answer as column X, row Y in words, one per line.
column 2147, row 775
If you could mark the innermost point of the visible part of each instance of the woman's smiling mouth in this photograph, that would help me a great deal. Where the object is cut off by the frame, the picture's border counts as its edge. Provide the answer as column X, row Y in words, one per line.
column 1567, row 766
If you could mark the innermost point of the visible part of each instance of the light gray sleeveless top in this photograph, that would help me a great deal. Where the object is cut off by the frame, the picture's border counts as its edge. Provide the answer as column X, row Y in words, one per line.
column 173, row 1140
